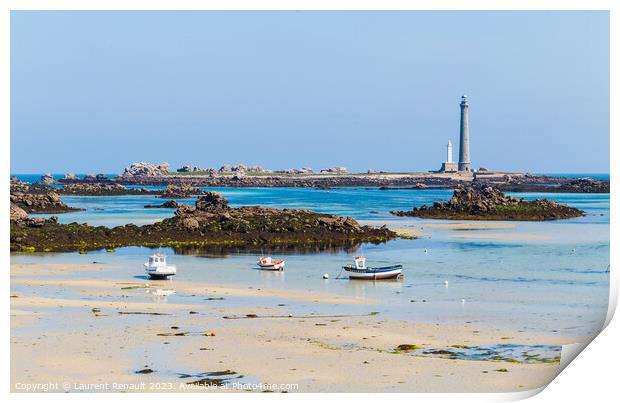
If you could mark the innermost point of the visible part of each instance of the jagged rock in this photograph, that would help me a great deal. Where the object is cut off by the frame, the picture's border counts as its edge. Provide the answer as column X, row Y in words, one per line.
column 17, row 213
column 297, row 171
column 183, row 191
column 19, row 217
column 349, row 221
column 258, row 169
column 488, row 203
column 69, row 176
column 146, row 169
column 190, row 223
column 18, row 186
column 586, row 185
column 48, row 202
column 169, row 204
column 210, row 222
column 185, row 210
column 212, row 201
column 334, row 170
column 94, row 189
column 47, row 180
column 234, row 168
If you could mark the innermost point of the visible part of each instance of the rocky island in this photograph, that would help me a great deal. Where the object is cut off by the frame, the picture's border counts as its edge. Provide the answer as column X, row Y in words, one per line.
column 238, row 176
column 37, row 199
column 184, row 191
column 210, row 222
column 101, row 189
column 487, row 203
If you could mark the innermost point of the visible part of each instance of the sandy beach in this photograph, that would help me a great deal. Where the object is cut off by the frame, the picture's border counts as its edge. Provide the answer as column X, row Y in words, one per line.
column 82, row 332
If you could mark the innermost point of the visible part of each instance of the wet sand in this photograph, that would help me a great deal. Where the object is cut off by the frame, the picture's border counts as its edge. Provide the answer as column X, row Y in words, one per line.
column 80, row 331
column 502, row 236
column 409, row 232
column 487, row 230
column 472, row 226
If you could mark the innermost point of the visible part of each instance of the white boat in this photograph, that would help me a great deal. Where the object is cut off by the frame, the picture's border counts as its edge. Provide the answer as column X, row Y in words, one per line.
column 157, row 268
column 359, row 271
column 267, row 263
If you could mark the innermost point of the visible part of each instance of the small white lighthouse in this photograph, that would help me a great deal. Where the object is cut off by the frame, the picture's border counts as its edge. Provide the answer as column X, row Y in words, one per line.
column 449, row 165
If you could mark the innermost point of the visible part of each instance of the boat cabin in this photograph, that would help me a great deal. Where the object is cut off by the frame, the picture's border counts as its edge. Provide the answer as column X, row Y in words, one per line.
column 157, row 259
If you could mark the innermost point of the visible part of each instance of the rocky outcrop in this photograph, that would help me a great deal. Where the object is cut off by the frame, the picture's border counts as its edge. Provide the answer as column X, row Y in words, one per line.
column 586, row 185
column 258, row 169
column 240, row 176
column 546, row 184
column 48, row 202
column 146, row 169
column 17, row 213
column 18, row 186
column 233, row 168
column 209, row 222
column 188, row 168
column 488, row 203
column 315, row 181
column 100, row 189
column 47, row 180
column 180, row 192
column 20, row 218
column 212, row 213
column 212, row 201
column 169, row 204
column 335, row 170
column 297, row 171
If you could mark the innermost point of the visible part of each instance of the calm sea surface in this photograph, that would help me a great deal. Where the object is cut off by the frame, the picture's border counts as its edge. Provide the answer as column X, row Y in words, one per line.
column 548, row 277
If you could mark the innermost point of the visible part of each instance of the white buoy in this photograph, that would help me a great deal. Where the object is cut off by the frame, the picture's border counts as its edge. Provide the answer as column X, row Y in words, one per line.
column 290, row 315
column 463, row 301
column 325, row 276
column 445, row 283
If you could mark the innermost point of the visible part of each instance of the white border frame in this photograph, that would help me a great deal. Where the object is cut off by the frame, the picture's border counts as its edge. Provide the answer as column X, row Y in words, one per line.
column 595, row 376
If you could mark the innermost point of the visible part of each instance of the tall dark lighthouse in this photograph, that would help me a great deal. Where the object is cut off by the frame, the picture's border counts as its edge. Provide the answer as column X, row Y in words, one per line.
column 464, row 161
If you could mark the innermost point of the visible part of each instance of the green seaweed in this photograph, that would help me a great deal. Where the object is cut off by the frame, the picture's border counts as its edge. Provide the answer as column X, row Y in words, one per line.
column 407, row 347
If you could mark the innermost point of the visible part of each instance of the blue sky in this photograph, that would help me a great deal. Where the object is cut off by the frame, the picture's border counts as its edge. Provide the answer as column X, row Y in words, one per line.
column 95, row 91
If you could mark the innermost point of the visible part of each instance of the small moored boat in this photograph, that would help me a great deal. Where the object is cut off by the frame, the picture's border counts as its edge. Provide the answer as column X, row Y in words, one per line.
column 267, row 263
column 157, row 268
column 359, row 271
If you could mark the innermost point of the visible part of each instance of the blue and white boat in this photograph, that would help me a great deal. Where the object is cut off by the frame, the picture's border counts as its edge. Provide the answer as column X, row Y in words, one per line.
column 158, row 269
column 359, row 271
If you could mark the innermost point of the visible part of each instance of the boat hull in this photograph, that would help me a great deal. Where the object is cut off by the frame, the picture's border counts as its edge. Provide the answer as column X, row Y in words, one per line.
column 276, row 265
column 156, row 276
column 378, row 273
column 160, row 272
column 271, row 267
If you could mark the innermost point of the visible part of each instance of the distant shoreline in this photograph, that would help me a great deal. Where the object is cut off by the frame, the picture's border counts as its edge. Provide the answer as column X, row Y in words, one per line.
column 33, row 177
column 505, row 181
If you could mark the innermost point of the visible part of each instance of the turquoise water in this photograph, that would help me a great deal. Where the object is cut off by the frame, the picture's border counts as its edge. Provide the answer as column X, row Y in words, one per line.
column 31, row 178
column 548, row 277
column 599, row 176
